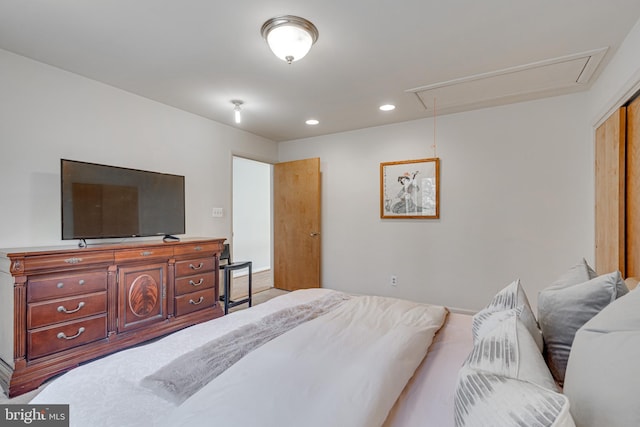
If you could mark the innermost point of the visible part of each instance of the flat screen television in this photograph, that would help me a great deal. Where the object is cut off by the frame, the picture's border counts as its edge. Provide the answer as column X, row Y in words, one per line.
column 101, row 201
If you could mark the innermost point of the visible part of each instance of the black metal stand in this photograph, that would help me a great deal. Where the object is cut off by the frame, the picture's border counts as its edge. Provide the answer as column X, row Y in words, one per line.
column 228, row 269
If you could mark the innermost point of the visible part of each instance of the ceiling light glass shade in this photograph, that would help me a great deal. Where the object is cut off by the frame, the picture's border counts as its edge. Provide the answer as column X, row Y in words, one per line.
column 236, row 110
column 289, row 37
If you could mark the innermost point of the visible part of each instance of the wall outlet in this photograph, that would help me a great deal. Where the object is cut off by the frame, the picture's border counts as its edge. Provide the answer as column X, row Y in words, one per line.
column 217, row 212
column 393, row 280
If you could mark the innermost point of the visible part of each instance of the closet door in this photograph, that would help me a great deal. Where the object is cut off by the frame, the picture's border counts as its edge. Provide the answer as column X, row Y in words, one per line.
column 610, row 194
column 633, row 190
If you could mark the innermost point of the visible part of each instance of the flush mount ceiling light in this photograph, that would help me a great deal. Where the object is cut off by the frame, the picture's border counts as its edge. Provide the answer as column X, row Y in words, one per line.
column 289, row 37
column 387, row 107
column 236, row 110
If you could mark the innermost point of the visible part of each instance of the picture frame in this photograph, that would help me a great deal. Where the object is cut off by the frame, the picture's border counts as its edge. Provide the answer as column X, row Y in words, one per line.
column 410, row 189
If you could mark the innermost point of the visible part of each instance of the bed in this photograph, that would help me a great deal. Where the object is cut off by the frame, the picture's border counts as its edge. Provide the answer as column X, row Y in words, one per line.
column 342, row 360
column 118, row 378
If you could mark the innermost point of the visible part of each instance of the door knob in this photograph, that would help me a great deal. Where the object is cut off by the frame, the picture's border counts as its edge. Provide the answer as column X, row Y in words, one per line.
column 314, row 234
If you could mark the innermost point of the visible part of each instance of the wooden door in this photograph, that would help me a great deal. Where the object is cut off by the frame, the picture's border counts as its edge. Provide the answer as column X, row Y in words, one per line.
column 296, row 224
column 633, row 190
column 610, row 194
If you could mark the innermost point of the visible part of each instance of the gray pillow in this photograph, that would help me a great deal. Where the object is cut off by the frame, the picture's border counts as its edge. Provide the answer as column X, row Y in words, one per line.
column 581, row 272
column 602, row 380
column 565, row 306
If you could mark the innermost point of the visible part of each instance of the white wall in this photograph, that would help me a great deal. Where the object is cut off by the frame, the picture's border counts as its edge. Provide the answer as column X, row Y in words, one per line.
column 516, row 202
column 47, row 114
column 619, row 80
column 517, row 195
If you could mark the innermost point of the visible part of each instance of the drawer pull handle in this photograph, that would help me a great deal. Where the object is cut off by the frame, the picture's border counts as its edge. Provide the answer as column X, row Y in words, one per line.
column 60, row 285
column 61, row 308
column 73, row 260
column 196, row 303
column 193, row 267
column 61, row 335
column 198, row 248
column 192, row 283
column 81, row 282
column 146, row 253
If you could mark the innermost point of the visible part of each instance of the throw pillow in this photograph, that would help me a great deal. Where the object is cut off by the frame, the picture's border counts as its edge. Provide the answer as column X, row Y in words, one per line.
column 487, row 400
column 510, row 351
column 581, row 272
column 603, row 370
column 565, row 306
column 510, row 297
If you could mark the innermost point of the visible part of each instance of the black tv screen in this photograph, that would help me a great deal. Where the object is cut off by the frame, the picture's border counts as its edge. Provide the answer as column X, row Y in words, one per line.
column 100, row 201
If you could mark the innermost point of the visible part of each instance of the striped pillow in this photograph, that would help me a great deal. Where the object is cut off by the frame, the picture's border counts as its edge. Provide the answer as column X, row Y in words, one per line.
column 505, row 382
column 512, row 297
column 509, row 351
column 484, row 399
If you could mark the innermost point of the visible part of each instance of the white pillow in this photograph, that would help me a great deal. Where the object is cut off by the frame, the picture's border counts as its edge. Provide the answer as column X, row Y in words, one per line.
column 603, row 374
column 564, row 307
column 510, row 297
column 509, row 351
column 487, row 400
column 504, row 382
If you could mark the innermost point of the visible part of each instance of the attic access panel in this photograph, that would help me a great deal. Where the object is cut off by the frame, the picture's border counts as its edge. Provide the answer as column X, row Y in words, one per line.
column 530, row 81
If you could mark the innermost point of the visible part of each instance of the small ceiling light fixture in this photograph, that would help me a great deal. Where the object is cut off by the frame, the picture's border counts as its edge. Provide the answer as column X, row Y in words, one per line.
column 289, row 37
column 312, row 122
column 236, row 110
column 387, row 107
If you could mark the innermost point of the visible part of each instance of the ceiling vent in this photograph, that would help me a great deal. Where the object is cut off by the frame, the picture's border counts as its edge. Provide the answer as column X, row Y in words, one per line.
column 531, row 81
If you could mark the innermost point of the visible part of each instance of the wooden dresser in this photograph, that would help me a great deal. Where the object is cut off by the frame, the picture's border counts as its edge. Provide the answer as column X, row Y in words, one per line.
column 62, row 306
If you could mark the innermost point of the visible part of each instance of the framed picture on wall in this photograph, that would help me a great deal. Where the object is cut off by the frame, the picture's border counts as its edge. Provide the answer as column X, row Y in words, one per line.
column 410, row 189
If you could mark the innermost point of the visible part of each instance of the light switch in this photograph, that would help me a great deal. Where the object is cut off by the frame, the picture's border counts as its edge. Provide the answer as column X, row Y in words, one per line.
column 217, row 212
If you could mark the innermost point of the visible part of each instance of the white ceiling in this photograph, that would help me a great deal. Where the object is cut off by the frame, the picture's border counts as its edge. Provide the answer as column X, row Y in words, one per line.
column 198, row 55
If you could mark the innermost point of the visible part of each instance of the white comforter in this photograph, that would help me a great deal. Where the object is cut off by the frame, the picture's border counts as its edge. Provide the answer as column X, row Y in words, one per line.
column 108, row 392
column 345, row 368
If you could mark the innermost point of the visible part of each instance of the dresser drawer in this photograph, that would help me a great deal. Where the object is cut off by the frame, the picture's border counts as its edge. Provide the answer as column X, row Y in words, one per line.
column 34, row 264
column 194, row 283
column 194, row 266
column 62, row 285
column 144, row 254
column 51, row 339
column 195, row 301
column 62, row 310
column 197, row 248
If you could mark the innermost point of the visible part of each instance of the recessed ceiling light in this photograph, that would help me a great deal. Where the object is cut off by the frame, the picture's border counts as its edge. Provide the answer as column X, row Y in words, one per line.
column 312, row 122
column 387, row 107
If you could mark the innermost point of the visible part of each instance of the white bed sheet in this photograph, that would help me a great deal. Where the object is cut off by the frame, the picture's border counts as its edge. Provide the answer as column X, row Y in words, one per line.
column 343, row 369
column 103, row 392
column 427, row 400
column 107, row 391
